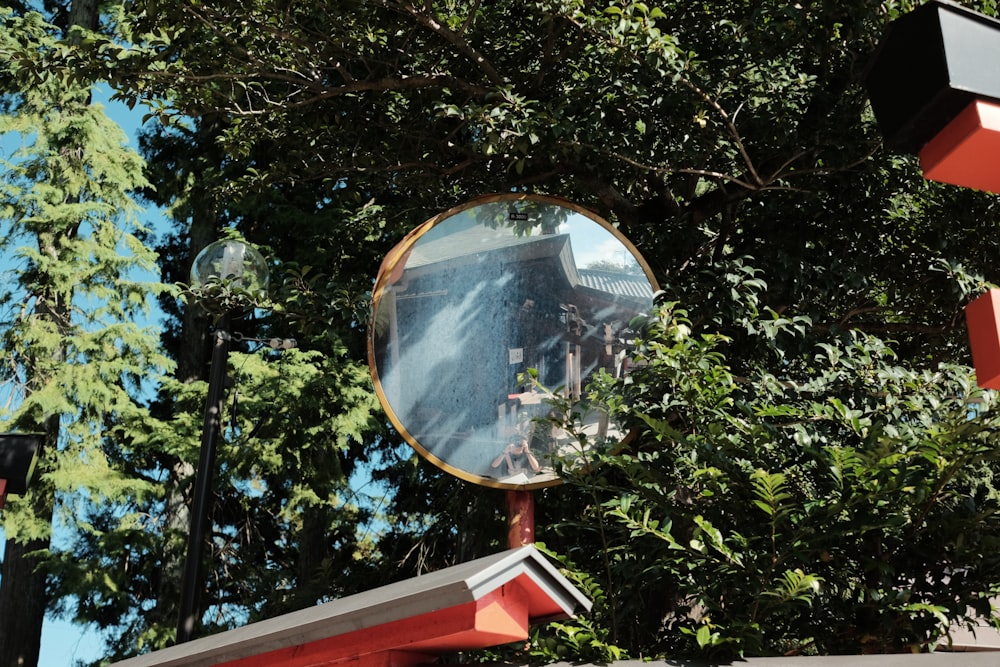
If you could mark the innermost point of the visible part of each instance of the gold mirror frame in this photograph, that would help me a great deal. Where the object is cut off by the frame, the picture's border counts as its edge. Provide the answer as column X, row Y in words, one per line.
column 476, row 296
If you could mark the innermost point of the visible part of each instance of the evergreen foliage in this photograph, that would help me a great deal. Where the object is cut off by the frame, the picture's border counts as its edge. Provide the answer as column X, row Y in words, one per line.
column 79, row 349
column 813, row 469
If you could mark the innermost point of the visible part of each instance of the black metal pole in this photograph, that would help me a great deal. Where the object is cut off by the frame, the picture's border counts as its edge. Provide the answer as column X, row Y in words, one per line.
column 191, row 584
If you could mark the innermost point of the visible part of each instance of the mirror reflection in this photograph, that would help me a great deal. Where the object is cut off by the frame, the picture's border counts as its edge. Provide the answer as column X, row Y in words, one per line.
column 476, row 297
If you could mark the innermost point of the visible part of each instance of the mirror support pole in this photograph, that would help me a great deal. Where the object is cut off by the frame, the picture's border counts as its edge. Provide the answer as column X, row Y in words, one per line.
column 520, row 518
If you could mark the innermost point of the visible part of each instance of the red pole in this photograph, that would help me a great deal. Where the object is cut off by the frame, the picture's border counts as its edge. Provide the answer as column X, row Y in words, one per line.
column 3, row 492
column 520, row 518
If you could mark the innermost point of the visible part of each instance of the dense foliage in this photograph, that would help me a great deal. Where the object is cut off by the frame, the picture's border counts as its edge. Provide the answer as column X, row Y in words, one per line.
column 813, row 469
column 843, row 501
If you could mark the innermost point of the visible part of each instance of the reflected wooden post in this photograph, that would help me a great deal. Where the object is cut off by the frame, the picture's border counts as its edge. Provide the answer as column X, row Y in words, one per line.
column 520, row 518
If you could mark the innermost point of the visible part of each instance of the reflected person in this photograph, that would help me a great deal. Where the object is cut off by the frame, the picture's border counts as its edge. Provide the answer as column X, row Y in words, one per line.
column 518, row 459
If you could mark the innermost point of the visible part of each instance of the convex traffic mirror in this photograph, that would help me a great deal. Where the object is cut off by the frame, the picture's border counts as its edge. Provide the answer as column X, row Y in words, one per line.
column 476, row 297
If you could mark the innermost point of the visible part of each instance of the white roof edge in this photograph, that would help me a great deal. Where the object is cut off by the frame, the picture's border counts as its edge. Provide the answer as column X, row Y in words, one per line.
column 529, row 560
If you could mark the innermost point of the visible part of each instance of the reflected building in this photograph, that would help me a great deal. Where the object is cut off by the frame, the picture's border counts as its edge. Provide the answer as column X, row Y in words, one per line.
column 468, row 307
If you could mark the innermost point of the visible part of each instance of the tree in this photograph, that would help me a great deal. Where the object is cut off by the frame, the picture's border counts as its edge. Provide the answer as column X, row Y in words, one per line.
column 704, row 132
column 77, row 355
column 840, row 501
column 731, row 142
column 288, row 412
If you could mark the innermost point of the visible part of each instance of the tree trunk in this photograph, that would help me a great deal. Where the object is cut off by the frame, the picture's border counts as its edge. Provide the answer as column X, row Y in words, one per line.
column 22, row 604
column 23, row 591
column 83, row 13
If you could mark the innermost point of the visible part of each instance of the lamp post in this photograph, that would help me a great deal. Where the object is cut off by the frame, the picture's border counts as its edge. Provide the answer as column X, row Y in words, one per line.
column 228, row 276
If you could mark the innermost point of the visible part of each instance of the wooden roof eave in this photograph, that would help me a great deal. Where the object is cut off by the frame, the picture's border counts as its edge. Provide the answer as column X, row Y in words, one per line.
column 485, row 602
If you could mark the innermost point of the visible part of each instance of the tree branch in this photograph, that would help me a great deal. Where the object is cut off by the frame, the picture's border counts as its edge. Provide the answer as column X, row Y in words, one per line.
column 454, row 39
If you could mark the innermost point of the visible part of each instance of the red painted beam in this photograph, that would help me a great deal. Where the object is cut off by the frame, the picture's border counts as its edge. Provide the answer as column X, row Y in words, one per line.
column 967, row 151
column 500, row 617
column 982, row 318
column 3, row 492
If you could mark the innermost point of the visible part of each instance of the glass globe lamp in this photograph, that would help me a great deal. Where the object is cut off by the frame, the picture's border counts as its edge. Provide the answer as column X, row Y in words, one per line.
column 233, row 264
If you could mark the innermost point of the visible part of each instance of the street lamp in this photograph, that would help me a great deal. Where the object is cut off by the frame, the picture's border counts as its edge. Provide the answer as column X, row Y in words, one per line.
column 228, row 277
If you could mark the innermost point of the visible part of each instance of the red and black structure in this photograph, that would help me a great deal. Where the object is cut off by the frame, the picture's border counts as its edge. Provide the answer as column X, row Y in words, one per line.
column 934, row 86
column 18, row 456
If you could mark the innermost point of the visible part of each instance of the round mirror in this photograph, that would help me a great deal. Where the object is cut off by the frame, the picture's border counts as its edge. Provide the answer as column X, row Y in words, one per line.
column 479, row 300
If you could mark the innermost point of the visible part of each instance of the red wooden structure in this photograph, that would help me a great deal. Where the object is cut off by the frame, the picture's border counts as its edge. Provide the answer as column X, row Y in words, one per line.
column 982, row 317
column 967, row 151
column 482, row 603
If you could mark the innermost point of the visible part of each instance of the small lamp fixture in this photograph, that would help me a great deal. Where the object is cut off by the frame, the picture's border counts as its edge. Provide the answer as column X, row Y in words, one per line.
column 18, row 456
column 232, row 263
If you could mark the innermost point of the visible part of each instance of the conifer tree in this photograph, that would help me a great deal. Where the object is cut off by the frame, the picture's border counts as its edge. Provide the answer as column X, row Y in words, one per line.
column 75, row 296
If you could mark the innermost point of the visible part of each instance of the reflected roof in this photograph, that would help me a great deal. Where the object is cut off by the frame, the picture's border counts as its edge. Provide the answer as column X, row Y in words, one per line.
column 471, row 241
column 622, row 284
